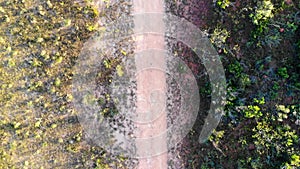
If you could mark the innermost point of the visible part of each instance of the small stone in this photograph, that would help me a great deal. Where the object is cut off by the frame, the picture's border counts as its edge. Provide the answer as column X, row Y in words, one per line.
column 26, row 163
column 37, row 124
column 251, row 147
column 17, row 125
column 53, row 126
column 57, row 82
column 60, row 140
column 39, row 40
column 49, row 4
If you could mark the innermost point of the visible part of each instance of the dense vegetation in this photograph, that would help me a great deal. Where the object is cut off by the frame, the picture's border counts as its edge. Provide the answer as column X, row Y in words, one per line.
column 259, row 44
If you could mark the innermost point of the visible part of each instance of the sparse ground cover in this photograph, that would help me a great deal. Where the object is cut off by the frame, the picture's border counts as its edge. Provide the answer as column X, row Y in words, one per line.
column 259, row 45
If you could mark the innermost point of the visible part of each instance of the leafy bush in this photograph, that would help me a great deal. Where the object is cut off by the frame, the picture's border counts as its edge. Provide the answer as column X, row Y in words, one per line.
column 263, row 12
column 283, row 72
column 223, row 3
column 219, row 36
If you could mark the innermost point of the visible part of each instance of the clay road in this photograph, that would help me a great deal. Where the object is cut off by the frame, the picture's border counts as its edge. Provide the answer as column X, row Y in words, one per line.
column 151, row 81
column 151, row 86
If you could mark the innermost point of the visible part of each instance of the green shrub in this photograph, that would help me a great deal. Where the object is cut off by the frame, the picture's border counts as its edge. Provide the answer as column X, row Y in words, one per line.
column 223, row 3
column 283, row 72
column 272, row 142
column 262, row 14
column 253, row 111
